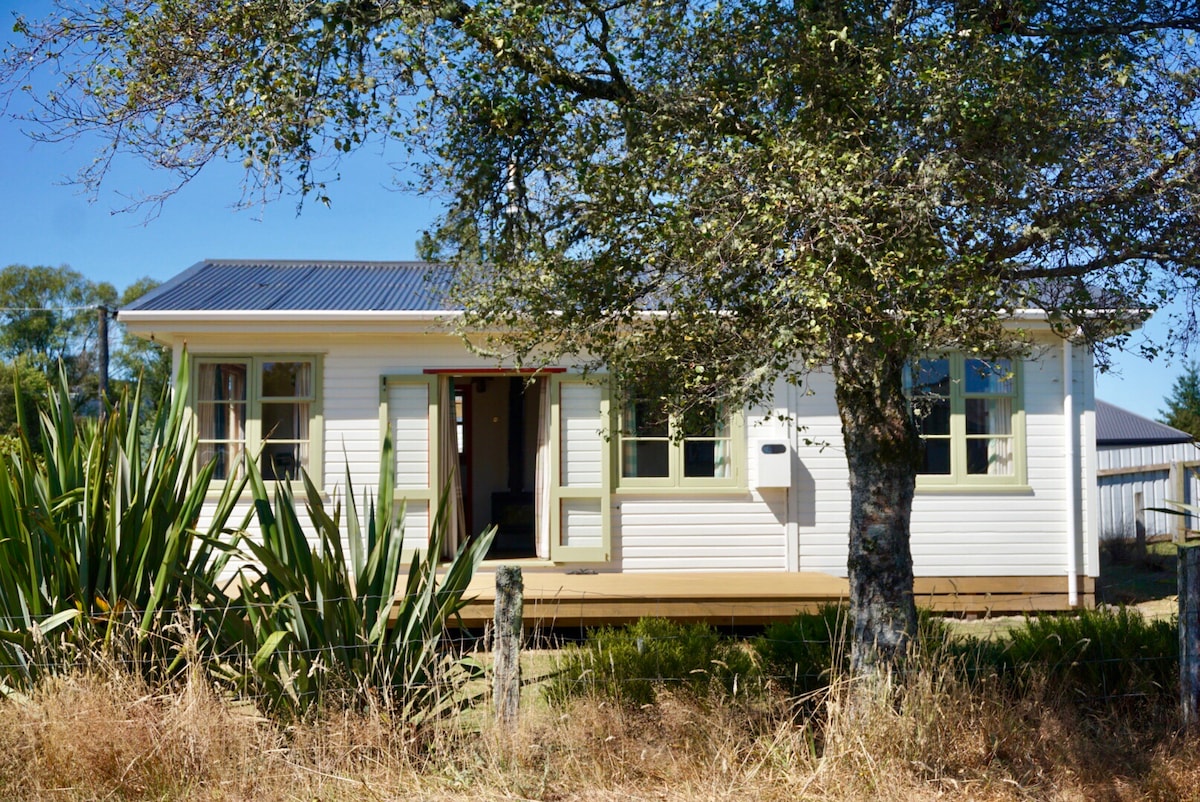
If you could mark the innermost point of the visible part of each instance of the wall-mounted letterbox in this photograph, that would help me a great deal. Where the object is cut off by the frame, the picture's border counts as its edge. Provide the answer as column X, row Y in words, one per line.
column 774, row 465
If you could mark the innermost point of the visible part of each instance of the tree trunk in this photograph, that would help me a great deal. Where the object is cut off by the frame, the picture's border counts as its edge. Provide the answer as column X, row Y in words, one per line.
column 882, row 450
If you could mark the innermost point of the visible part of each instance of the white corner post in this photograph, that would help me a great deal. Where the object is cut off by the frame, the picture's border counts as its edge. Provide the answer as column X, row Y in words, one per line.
column 1071, row 468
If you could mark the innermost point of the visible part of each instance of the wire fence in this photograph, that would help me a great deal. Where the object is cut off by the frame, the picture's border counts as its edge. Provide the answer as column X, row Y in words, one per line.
column 1121, row 657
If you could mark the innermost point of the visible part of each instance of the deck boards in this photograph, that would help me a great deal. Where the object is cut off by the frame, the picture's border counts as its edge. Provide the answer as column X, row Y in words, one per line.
column 735, row 598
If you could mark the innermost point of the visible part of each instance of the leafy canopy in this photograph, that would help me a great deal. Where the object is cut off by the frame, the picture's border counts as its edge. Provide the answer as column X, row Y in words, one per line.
column 774, row 178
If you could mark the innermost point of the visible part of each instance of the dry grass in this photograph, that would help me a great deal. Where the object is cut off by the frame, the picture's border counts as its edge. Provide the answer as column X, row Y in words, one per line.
column 103, row 734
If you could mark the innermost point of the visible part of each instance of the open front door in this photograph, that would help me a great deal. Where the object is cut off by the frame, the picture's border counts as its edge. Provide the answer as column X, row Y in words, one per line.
column 411, row 411
column 580, row 476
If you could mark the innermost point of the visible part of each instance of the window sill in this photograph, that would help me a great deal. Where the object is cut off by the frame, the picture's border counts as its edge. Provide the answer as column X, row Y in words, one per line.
column 934, row 489
column 662, row 490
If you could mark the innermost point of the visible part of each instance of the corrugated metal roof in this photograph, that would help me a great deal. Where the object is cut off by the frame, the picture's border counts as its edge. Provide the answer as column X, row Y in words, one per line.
column 219, row 285
column 1120, row 427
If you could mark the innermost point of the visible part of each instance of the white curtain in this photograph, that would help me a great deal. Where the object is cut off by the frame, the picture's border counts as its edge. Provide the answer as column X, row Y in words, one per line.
column 721, row 458
column 206, row 416
column 221, row 414
column 542, row 478
column 451, row 482
column 301, row 413
column 1000, row 449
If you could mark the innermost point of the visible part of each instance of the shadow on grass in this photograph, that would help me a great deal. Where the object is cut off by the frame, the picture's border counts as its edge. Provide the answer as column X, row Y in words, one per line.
column 1129, row 577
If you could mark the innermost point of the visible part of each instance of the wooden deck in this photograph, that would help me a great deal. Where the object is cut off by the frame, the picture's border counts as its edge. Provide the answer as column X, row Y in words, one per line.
column 555, row 599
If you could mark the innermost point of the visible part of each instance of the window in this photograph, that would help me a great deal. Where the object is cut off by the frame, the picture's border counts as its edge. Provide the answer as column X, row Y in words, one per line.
column 967, row 410
column 663, row 450
column 258, row 405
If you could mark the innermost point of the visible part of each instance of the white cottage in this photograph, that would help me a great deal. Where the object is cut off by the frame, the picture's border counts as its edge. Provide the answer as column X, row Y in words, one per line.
column 742, row 518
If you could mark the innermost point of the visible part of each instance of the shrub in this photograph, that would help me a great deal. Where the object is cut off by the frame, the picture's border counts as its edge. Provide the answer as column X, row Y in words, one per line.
column 630, row 664
column 322, row 615
column 100, row 545
column 805, row 653
column 1098, row 656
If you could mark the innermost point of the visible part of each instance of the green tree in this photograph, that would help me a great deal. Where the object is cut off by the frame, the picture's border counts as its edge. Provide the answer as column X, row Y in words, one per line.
column 49, row 315
column 844, row 183
column 24, row 391
column 1183, row 404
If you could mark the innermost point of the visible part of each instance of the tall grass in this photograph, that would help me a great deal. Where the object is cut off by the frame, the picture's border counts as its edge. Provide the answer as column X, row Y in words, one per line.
column 107, row 734
column 1099, row 656
column 630, row 665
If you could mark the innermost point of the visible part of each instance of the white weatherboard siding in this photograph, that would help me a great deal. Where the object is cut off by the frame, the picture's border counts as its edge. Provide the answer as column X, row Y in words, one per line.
column 582, row 439
column 702, row 533
column 997, row 533
column 1007, row 532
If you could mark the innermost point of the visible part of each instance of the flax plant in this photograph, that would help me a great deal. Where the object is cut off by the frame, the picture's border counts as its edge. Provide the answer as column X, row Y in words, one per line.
column 100, row 545
column 337, row 611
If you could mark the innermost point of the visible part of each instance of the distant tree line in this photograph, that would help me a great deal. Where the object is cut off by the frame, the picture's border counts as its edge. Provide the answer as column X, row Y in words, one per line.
column 49, row 316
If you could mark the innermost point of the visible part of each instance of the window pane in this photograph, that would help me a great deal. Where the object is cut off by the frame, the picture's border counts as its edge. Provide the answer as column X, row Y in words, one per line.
column 935, row 456
column 643, row 459
column 989, row 376
column 283, row 460
column 228, row 458
column 285, row 421
column 221, row 382
column 645, row 418
column 990, row 456
column 708, row 420
column 706, row 458
column 989, row 415
column 221, row 415
column 932, row 377
column 932, row 415
column 286, row 380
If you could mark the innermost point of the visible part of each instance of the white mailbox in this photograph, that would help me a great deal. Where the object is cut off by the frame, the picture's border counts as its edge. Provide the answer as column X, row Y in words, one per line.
column 774, row 464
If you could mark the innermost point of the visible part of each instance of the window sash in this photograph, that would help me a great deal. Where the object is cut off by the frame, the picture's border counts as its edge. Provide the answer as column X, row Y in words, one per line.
column 971, row 429
column 273, row 412
column 654, row 452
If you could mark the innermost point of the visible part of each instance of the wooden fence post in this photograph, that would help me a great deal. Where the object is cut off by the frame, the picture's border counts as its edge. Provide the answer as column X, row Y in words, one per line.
column 506, row 645
column 1189, row 635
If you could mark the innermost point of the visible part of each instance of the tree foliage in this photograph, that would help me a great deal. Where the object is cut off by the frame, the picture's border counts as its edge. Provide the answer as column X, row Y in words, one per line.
column 137, row 358
column 50, row 315
column 1183, row 404
column 786, row 185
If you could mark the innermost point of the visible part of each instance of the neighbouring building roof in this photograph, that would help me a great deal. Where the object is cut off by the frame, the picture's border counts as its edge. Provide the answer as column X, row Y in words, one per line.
column 217, row 285
column 1120, row 427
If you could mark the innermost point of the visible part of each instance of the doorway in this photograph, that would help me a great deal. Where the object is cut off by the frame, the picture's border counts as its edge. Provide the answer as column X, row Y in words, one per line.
column 499, row 421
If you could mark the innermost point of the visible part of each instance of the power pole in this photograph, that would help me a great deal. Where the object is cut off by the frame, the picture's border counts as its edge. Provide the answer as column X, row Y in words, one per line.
column 102, row 336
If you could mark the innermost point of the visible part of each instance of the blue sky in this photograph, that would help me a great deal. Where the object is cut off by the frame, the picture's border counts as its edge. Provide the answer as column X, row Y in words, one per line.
column 44, row 220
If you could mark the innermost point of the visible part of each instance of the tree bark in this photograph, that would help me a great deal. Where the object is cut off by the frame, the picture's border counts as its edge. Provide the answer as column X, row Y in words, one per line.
column 882, row 451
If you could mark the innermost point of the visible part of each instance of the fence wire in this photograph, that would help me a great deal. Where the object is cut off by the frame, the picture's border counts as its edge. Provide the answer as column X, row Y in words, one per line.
column 587, row 651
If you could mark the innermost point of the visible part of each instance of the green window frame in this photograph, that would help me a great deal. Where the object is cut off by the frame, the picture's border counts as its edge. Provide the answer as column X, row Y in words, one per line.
column 264, row 405
column 968, row 411
column 702, row 448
